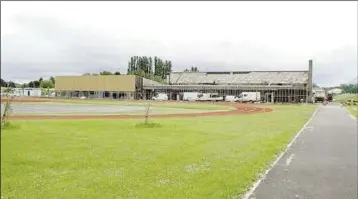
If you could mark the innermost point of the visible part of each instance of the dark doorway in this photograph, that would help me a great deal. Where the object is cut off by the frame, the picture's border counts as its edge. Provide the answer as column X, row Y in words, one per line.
column 106, row 94
column 114, row 95
column 28, row 93
column 174, row 96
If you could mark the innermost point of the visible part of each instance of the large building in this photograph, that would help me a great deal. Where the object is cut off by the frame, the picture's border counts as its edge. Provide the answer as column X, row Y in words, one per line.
column 275, row 86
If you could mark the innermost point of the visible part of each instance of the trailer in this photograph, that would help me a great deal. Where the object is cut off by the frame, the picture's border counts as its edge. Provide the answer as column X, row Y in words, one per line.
column 191, row 96
column 249, row 97
column 160, row 97
column 210, row 97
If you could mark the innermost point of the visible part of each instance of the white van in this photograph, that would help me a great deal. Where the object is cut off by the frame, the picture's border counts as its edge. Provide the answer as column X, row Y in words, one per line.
column 231, row 98
column 191, row 96
column 249, row 97
column 160, row 97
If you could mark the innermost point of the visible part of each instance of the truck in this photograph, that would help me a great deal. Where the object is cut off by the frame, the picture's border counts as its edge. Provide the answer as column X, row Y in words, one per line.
column 191, row 96
column 210, row 97
column 319, row 95
column 249, row 97
column 160, row 97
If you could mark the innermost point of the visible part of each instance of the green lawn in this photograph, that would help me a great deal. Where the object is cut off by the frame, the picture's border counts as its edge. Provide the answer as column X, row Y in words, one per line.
column 344, row 97
column 207, row 157
column 353, row 110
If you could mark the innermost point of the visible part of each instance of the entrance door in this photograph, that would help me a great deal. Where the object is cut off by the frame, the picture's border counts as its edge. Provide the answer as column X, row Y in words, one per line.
column 268, row 97
column 114, row 95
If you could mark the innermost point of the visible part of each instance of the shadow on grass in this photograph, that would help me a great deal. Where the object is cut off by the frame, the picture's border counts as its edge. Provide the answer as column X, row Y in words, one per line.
column 148, row 125
column 9, row 125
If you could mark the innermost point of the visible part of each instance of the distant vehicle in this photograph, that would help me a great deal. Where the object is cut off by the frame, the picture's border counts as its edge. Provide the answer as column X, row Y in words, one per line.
column 231, row 98
column 191, row 96
column 83, row 97
column 249, row 97
column 330, row 97
column 160, row 97
column 319, row 96
column 210, row 97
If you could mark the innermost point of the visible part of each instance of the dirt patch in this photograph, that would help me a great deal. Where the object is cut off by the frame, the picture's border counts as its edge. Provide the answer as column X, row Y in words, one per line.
column 239, row 109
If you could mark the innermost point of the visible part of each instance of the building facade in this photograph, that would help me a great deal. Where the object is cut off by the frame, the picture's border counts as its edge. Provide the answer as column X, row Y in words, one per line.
column 101, row 86
column 274, row 86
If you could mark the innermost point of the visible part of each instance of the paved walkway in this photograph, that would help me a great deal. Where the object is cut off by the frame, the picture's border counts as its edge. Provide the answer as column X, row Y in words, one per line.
column 321, row 163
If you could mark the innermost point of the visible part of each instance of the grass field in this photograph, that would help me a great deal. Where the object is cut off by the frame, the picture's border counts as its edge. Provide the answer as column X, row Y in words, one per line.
column 207, row 157
column 353, row 109
column 344, row 97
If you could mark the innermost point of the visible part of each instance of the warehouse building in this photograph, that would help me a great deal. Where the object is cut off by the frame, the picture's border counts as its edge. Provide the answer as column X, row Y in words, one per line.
column 274, row 86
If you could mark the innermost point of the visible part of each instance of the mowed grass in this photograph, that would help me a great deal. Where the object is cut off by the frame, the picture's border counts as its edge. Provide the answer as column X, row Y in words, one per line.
column 206, row 157
column 344, row 97
column 353, row 109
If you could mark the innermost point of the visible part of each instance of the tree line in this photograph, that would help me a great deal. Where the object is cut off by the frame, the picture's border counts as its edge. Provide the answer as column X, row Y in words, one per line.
column 153, row 68
column 40, row 83
column 349, row 88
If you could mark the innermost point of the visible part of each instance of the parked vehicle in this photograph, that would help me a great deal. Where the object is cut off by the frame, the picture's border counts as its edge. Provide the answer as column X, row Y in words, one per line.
column 210, row 97
column 160, row 97
column 249, row 97
column 319, row 95
column 329, row 97
column 231, row 98
column 190, row 96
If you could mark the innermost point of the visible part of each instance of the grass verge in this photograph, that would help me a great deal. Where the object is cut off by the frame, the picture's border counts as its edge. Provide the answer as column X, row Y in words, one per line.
column 207, row 157
column 352, row 110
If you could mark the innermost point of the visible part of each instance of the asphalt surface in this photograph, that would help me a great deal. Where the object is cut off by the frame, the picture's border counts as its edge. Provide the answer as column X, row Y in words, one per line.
column 321, row 163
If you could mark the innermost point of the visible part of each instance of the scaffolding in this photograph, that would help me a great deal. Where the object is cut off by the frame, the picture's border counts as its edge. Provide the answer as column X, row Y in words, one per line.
column 269, row 93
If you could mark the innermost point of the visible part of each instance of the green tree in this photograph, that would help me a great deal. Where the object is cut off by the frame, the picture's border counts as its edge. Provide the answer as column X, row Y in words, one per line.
column 3, row 83
column 53, row 80
column 117, row 73
column 37, row 84
column 31, row 84
column 46, row 84
column 11, row 84
column 105, row 73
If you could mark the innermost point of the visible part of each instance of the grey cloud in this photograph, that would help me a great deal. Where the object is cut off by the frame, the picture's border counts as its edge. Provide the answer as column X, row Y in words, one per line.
column 44, row 46
column 336, row 67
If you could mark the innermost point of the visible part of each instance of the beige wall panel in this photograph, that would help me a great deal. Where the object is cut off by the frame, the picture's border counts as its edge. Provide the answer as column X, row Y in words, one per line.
column 96, row 83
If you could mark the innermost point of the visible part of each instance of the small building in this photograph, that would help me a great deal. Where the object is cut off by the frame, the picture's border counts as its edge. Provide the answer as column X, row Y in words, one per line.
column 101, row 86
column 27, row 92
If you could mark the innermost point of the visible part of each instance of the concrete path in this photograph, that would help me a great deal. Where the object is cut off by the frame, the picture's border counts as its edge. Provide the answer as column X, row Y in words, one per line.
column 320, row 164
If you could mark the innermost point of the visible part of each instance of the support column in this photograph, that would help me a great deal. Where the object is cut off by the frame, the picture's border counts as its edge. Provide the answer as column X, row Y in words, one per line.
column 309, row 85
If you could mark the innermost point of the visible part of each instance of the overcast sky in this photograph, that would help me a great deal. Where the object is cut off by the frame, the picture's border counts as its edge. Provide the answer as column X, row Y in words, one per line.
column 71, row 38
